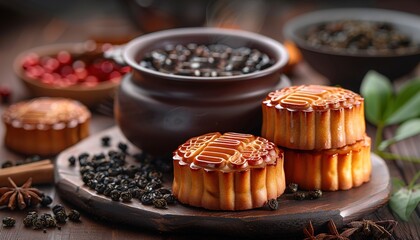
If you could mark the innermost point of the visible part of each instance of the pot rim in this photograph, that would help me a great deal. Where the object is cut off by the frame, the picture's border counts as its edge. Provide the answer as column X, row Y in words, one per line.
column 276, row 48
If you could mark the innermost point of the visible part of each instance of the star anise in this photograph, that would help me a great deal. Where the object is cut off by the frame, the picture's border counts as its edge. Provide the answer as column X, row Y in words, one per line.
column 377, row 230
column 19, row 196
column 332, row 235
column 309, row 232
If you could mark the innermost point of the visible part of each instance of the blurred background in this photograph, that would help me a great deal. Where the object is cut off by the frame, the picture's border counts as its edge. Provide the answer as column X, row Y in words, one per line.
column 30, row 23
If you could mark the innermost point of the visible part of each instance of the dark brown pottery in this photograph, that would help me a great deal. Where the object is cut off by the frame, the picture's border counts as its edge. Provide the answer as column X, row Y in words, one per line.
column 347, row 69
column 157, row 112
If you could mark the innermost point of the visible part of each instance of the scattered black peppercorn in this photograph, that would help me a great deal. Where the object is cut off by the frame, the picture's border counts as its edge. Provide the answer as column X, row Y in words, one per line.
column 9, row 222
column 37, row 223
column 74, row 215
column 160, row 203
column 292, row 188
column 147, row 198
column 314, row 194
column 46, row 200
column 105, row 140
column 61, row 216
column 72, row 160
column 7, row 164
column 273, row 204
column 27, row 221
column 123, row 147
column 126, row 196
column 115, row 195
column 299, row 195
column 48, row 220
column 57, row 208
column 169, row 198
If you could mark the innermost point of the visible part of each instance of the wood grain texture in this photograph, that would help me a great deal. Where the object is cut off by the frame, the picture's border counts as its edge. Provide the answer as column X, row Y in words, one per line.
column 290, row 218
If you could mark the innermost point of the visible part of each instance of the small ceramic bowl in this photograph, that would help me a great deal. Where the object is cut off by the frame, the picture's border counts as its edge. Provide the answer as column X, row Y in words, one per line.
column 348, row 68
column 90, row 95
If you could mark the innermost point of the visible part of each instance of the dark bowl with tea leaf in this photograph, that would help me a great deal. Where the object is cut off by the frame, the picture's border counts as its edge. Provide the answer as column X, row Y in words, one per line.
column 344, row 44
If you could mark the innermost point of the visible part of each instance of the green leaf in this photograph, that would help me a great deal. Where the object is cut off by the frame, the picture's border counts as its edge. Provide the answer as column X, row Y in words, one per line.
column 404, row 201
column 405, row 130
column 410, row 109
column 377, row 91
column 406, row 92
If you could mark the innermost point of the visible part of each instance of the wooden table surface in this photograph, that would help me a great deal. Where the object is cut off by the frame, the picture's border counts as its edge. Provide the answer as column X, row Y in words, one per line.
column 30, row 31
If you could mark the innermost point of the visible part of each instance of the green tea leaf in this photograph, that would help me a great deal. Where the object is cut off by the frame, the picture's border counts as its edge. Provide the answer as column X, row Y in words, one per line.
column 410, row 109
column 405, row 130
column 377, row 91
column 404, row 201
column 407, row 91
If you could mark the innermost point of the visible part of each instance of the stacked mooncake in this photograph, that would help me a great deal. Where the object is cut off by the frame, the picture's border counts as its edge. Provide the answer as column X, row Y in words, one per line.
column 322, row 132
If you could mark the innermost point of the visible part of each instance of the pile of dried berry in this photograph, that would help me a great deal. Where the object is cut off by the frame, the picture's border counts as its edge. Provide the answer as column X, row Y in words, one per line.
column 354, row 35
column 65, row 70
column 293, row 188
column 110, row 175
column 46, row 220
column 215, row 60
column 8, row 222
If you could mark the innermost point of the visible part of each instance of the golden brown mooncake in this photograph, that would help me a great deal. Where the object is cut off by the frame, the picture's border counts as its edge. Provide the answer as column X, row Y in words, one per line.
column 232, row 171
column 45, row 126
column 329, row 170
column 312, row 117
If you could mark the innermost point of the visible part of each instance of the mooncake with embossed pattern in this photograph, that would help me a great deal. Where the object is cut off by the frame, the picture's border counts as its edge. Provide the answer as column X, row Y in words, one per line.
column 45, row 126
column 313, row 117
column 331, row 169
column 232, row 171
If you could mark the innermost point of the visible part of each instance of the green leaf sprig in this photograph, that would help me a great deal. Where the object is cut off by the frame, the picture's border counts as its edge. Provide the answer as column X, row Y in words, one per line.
column 385, row 107
column 406, row 198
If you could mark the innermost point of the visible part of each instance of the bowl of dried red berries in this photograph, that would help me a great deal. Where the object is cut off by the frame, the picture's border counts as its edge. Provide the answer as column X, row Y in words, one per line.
column 190, row 81
column 72, row 70
column 344, row 44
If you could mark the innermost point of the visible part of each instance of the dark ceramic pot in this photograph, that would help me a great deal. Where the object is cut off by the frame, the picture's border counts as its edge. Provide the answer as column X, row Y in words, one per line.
column 157, row 112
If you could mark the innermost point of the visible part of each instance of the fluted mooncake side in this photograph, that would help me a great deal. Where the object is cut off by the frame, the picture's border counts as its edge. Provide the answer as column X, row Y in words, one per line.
column 329, row 170
column 312, row 117
column 232, row 171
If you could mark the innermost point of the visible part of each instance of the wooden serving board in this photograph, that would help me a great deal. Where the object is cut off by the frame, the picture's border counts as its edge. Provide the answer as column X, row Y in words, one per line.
column 291, row 217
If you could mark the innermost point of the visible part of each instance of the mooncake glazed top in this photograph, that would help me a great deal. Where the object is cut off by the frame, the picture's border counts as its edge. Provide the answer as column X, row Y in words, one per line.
column 46, row 112
column 313, row 97
column 227, row 152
